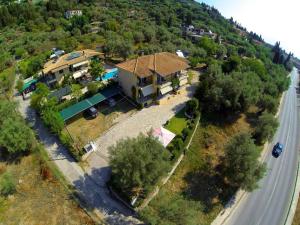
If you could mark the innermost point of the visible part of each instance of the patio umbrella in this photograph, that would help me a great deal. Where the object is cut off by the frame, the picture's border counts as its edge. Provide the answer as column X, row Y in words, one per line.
column 163, row 135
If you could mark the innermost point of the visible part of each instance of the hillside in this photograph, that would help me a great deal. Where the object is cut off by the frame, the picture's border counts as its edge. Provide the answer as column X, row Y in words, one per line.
column 241, row 81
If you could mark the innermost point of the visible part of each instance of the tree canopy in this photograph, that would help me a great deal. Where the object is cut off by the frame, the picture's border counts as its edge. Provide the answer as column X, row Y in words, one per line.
column 15, row 135
column 137, row 163
column 242, row 167
column 266, row 127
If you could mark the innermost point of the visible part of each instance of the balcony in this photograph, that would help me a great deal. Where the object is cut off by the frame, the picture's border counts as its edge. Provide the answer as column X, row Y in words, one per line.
column 164, row 84
column 147, row 90
column 80, row 73
column 144, row 84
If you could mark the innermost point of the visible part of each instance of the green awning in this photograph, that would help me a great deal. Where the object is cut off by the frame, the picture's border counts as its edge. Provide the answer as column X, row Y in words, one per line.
column 96, row 99
column 73, row 110
column 81, row 106
column 27, row 85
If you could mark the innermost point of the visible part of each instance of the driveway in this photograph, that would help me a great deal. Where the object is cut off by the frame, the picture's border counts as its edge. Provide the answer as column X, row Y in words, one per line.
column 96, row 197
column 140, row 122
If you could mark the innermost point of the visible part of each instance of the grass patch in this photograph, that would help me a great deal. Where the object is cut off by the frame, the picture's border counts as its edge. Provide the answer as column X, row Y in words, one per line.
column 177, row 123
column 197, row 183
column 39, row 196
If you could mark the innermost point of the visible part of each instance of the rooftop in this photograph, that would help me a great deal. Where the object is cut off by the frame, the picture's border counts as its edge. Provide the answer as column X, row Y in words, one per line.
column 163, row 63
column 69, row 59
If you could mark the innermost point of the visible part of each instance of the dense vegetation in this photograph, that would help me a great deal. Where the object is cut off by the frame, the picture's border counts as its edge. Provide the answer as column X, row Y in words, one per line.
column 30, row 31
column 241, row 72
column 241, row 162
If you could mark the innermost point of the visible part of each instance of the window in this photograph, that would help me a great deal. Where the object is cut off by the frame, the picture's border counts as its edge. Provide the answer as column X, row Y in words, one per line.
column 61, row 71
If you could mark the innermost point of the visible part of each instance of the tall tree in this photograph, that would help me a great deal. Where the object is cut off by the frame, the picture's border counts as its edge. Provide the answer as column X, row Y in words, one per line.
column 76, row 91
column 39, row 97
column 242, row 167
column 266, row 127
column 138, row 163
column 15, row 135
column 97, row 69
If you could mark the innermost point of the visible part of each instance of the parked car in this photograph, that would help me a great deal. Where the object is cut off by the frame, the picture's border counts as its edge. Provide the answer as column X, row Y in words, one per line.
column 111, row 102
column 92, row 112
column 277, row 150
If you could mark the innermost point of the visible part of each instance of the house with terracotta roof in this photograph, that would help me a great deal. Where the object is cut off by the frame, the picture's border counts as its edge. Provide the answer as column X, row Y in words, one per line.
column 75, row 63
column 151, row 77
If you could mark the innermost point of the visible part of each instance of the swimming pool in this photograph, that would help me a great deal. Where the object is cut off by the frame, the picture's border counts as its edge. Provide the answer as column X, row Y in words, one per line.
column 109, row 75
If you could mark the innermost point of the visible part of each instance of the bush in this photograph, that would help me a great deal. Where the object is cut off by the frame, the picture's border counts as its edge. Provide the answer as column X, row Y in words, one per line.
column 7, row 184
column 174, row 210
column 19, row 85
column 266, row 127
column 186, row 132
column 92, row 88
column 65, row 104
column 53, row 120
column 192, row 106
column 67, row 141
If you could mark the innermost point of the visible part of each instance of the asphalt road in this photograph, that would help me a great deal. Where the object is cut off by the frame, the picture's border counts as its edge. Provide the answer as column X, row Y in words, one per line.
column 269, row 204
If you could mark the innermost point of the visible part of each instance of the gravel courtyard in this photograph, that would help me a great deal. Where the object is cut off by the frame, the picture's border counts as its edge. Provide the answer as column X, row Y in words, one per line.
column 140, row 122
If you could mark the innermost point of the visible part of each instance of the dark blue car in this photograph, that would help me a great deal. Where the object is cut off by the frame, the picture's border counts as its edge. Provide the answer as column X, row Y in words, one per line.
column 277, row 150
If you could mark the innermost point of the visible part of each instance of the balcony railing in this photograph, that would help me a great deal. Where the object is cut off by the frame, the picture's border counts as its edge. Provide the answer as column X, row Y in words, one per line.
column 165, row 84
column 144, row 84
column 80, row 73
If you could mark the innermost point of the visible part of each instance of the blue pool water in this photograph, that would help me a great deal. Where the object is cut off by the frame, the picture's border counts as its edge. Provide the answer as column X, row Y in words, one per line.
column 109, row 75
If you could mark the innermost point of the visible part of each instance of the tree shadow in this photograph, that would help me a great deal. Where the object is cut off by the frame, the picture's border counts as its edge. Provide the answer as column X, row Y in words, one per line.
column 93, row 192
column 252, row 118
column 219, row 119
column 209, row 188
column 12, row 158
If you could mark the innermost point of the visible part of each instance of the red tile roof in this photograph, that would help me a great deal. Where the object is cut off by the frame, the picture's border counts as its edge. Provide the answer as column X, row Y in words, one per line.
column 163, row 63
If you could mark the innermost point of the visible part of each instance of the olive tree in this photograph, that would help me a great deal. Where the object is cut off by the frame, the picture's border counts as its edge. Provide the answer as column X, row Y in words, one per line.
column 242, row 168
column 138, row 163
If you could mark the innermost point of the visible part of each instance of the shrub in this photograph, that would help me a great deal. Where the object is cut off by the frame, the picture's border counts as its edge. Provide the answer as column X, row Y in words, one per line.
column 53, row 120
column 266, row 127
column 19, row 85
column 7, row 184
column 178, row 143
column 192, row 106
column 67, row 141
column 92, row 88
column 186, row 132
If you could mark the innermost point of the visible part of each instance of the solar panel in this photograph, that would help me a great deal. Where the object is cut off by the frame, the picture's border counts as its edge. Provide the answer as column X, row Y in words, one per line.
column 74, row 55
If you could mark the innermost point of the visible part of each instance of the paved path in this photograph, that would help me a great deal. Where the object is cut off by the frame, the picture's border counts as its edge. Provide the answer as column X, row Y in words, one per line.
column 269, row 204
column 96, row 196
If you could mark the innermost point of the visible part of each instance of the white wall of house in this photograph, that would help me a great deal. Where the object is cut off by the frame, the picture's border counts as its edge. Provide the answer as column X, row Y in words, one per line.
column 126, row 81
column 60, row 74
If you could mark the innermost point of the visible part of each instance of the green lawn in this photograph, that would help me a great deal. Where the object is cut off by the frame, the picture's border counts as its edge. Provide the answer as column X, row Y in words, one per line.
column 177, row 123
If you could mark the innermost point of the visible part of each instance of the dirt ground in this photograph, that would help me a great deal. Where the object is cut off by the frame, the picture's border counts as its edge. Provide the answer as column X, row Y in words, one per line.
column 297, row 215
column 84, row 130
column 39, row 199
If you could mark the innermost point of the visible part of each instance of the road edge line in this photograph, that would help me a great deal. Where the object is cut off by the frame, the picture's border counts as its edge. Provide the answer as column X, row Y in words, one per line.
column 218, row 220
column 294, row 201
